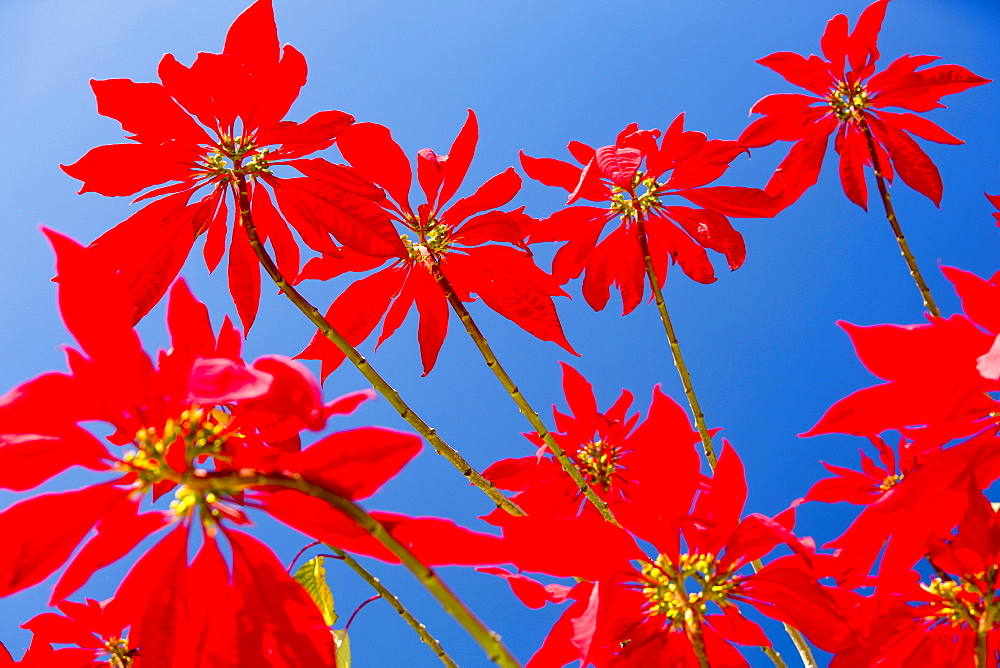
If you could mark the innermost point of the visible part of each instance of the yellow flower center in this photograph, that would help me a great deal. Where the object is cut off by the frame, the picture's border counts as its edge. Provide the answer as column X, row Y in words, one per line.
column 198, row 430
column 889, row 482
column 848, row 101
column 121, row 655
column 681, row 592
column 230, row 153
column 629, row 207
column 598, row 462
column 971, row 600
column 433, row 240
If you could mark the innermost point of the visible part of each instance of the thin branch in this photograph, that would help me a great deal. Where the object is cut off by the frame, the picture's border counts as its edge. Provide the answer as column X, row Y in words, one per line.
column 373, row 377
column 370, row 599
column 890, row 214
column 393, row 600
column 675, row 347
column 775, row 657
column 300, row 553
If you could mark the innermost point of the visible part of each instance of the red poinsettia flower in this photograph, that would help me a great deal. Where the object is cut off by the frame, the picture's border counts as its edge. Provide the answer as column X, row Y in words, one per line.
column 872, row 481
column 217, row 125
column 613, row 451
column 614, row 175
column 199, row 413
column 850, row 98
column 666, row 610
column 949, row 621
column 995, row 201
column 905, row 507
column 449, row 243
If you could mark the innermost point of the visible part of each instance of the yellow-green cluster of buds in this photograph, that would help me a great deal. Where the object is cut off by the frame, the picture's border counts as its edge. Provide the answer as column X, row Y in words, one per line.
column 889, row 482
column 435, row 242
column 120, row 655
column 598, row 462
column 629, row 207
column 198, row 430
column 258, row 163
column 962, row 602
column 666, row 587
column 847, row 101
column 230, row 151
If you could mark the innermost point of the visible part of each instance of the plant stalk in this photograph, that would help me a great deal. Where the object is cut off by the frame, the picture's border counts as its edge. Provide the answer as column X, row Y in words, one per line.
column 775, row 657
column 675, row 346
column 373, row 377
column 394, row 601
column 808, row 660
column 890, row 214
column 530, row 413
column 487, row 639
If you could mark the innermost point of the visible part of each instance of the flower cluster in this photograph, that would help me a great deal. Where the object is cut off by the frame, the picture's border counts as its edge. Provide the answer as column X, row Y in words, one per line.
column 667, row 565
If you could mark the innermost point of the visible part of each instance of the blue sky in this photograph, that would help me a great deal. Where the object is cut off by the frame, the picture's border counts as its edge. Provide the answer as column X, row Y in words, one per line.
column 762, row 343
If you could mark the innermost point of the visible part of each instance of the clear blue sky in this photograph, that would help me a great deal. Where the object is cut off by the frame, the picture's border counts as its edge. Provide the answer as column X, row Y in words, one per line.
column 766, row 356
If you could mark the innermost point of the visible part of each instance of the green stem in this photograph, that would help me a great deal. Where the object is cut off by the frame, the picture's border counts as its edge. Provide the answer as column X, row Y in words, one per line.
column 233, row 481
column 808, row 660
column 530, row 413
column 697, row 638
column 775, row 657
column 675, row 346
column 890, row 214
column 373, row 377
column 393, row 601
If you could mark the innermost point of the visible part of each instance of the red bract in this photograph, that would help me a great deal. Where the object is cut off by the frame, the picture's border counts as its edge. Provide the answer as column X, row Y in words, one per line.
column 169, row 612
column 911, row 507
column 450, row 243
column 614, row 175
column 660, row 611
column 218, row 125
column 849, row 98
column 199, row 403
column 938, row 373
column 947, row 621
column 614, row 453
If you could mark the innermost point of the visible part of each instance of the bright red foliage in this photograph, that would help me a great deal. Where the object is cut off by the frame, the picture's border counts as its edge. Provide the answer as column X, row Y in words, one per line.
column 942, row 622
column 198, row 403
column 451, row 243
column 614, row 175
column 937, row 373
column 639, row 615
column 849, row 98
column 218, row 124
column 614, row 452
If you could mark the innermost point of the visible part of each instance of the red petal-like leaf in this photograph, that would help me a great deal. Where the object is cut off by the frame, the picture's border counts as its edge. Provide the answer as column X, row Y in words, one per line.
column 459, row 158
column 370, row 149
column 41, row 532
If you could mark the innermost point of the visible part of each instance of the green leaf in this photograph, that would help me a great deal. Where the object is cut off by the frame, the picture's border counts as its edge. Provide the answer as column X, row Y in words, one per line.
column 343, row 644
column 312, row 576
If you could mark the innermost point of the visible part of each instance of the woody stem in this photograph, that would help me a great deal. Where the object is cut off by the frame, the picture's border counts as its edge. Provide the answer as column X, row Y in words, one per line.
column 373, row 377
column 530, row 413
column 890, row 214
column 808, row 660
column 487, row 639
column 675, row 347
column 394, row 601
column 775, row 657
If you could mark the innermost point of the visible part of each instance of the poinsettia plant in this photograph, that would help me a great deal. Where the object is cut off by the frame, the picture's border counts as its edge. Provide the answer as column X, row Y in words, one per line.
column 200, row 495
